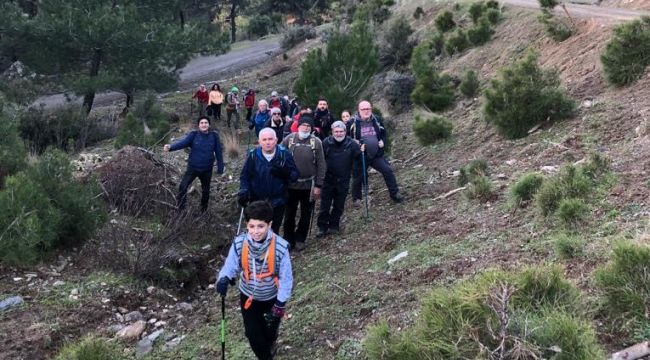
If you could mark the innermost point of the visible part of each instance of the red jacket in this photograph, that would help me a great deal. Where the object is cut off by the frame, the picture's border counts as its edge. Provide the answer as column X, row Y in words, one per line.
column 294, row 126
column 202, row 96
column 249, row 100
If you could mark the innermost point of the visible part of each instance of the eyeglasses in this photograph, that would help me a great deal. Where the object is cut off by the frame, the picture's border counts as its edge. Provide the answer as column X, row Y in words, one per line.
column 277, row 114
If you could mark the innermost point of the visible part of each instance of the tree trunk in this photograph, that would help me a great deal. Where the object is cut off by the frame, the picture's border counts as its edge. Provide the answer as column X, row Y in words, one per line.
column 129, row 98
column 233, row 26
column 89, row 97
column 181, row 16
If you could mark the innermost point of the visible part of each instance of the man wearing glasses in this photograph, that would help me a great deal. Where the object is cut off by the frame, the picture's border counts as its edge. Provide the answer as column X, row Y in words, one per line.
column 368, row 129
column 276, row 122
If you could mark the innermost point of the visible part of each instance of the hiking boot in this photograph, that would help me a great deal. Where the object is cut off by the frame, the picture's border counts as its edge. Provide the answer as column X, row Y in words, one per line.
column 322, row 232
column 300, row 246
column 356, row 203
column 334, row 231
column 397, row 197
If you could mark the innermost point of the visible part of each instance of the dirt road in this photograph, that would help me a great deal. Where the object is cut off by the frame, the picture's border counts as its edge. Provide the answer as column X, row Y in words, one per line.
column 243, row 56
column 587, row 11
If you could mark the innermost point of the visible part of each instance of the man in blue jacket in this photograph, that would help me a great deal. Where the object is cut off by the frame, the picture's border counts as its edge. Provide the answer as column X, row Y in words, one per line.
column 205, row 146
column 266, row 175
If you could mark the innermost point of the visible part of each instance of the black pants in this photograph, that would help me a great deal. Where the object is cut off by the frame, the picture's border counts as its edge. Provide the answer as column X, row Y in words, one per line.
column 278, row 215
column 229, row 114
column 249, row 115
column 380, row 164
column 291, row 233
column 214, row 110
column 260, row 336
column 332, row 203
column 190, row 174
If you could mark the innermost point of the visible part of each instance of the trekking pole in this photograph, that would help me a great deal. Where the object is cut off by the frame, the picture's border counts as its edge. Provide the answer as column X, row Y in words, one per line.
column 241, row 216
column 223, row 327
column 365, row 178
column 312, row 204
column 248, row 143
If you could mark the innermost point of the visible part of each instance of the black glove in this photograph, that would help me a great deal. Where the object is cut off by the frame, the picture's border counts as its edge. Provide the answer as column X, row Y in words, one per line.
column 222, row 286
column 274, row 316
column 243, row 199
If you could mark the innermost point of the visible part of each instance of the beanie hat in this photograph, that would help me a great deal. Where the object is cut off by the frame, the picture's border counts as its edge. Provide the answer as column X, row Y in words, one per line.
column 234, row 89
column 274, row 93
column 276, row 110
column 338, row 124
column 306, row 119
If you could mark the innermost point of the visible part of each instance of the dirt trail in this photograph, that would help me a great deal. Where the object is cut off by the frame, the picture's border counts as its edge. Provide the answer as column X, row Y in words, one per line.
column 578, row 10
column 245, row 55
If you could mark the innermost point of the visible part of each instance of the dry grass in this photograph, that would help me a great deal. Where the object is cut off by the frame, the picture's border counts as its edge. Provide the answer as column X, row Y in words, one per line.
column 231, row 146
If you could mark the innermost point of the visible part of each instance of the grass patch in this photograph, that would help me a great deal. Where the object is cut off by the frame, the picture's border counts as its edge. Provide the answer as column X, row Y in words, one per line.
column 568, row 246
column 91, row 348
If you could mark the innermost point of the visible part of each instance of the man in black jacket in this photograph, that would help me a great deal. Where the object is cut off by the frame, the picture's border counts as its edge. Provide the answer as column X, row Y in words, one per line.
column 323, row 118
column 367, row 129
column 340, row 154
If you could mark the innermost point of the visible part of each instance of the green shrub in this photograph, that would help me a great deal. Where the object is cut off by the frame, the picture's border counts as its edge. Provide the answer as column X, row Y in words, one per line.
column 493, row 16
column 147, row 114
column 21, row 91
column 433, row 91
column 424, row 53
column 480, row 33
column 261, row 25
column 492, row 4
column 437, row 44
column 474, row 168
column 43, row 207
column 464, row 322
column 445, row 21
column 480, row 188
column 65, row 128
column 571, row 211
column 12, row 149
column 350, row 60
column 91, row 348
column 456, row 42
column 524, row 96
column 417, row 14
column 431, row 129
column 627, row 54
column 547, row 4
column 624, row 285
column 568, row 246
column 559, row 30
column 396, row 47
column 476, row 11
column 571, row 182
column 526, row 187
column 295, row 34
column 596, row 166
column 376, row 11
column 469, row 85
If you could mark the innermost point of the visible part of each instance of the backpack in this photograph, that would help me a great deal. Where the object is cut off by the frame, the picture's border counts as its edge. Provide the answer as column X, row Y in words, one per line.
column 231, row 100
column 312, row 144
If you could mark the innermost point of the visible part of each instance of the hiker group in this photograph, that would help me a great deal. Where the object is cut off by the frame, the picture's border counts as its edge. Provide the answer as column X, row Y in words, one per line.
column 302, row 156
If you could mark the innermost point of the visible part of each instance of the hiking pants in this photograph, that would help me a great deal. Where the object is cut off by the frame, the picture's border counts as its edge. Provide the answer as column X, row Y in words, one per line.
column 249, row 114
column 214, row 110
column 332, row 203
column 202, row 108
column 291, row 233
column 190, row 174
column 229, row 113
column 380, row 164
column 278, row 215
column 260, row 335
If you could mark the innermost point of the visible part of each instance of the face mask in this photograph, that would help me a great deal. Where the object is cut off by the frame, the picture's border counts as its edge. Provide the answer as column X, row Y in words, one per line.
column 303, row 135
column 339, row 138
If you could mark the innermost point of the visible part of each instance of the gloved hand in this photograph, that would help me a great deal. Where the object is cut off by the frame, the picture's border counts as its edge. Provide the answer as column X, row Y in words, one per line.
column 251, row 126
column 222, row 286
column 243, row 199
column 275, row 315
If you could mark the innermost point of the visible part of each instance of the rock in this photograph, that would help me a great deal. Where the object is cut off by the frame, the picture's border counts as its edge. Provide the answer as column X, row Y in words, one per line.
column 548, row 169
column 122, row 310
column 11, row 302
column 154, row 335
column 132, row 331
column 58, row 283
column 143, row 348
column 133, row 316
column 114, row 328
column 151, row 290
column 172, row 343
column 511, row 162
column 183, row 306
column 74, row 292
column 401, row 255
column 119, row 317
column 152, row 321
column 502, row 176
column 160, row 323
column 587, row 103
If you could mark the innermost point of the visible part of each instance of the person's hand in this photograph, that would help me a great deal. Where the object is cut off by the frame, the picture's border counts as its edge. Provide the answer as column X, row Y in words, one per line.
column 274, row 316
column 243, row 199
column 166, row 147
column 222, row 286
column 363, row 147
column 357, row 141
column 316, row 193
column 380, row 144
column 251, row 126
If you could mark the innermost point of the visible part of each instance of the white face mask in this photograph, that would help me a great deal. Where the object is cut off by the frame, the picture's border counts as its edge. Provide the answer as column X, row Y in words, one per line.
column 339, row 138
column 303, row 135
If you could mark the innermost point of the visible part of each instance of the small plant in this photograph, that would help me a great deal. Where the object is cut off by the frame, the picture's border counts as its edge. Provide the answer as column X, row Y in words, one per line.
column 12, row 149
column 476, row 11
column 433, row 91
column 231, row 146
column 480, row 33
column 493, row 16
column 624, row 285
column 469, row 85
column 568, row 246
column 146, row 125
column 430, row 129
column 456, row 42
column 90, row 348
column 597, row 165
column 492, row 4
column 295, row 34
column 557, row 29
column 571, row 182
column 445, row 21
column 524, row 96
column 474, row 168
column 627, row 54
column 548, row 4
column 417, row 14
column 571, row 211
column 526, row 187
column 480, row 188
column 396, row 48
